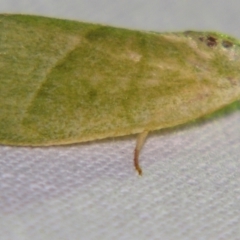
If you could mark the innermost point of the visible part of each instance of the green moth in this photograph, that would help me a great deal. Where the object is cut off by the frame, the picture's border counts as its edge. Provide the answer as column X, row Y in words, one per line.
column 64, row 82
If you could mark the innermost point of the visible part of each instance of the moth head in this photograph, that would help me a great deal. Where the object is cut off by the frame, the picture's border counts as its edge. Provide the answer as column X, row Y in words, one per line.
column 220, row 55
column 217, row 43
column 213, row 39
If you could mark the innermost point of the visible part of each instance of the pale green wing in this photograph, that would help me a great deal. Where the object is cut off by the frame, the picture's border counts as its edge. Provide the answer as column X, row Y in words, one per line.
column 64, row 82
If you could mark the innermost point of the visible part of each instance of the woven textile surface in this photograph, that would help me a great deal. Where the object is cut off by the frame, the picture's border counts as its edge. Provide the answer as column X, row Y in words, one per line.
column 190, row 188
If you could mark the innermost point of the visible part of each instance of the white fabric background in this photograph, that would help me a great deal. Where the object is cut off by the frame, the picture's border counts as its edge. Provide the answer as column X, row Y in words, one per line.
column 191, row 183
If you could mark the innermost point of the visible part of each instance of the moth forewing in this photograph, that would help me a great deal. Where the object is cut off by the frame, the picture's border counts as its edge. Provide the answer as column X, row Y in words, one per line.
column 64, row 82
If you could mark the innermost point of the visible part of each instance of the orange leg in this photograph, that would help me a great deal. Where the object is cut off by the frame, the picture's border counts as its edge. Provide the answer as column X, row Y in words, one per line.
column 140, row 141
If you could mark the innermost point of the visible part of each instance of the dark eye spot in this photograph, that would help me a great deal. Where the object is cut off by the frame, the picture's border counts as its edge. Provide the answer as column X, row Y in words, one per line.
column 211, row 41
column 227, row 44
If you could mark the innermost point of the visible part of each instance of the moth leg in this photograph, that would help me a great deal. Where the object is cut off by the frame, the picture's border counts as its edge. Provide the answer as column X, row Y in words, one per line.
column 140, row 141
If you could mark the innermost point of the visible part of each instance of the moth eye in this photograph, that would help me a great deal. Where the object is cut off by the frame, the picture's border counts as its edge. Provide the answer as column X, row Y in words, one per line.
column 211, row 41
column 227, row 44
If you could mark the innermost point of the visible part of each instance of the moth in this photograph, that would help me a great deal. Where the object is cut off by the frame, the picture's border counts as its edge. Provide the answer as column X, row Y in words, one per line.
column 64, row 82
